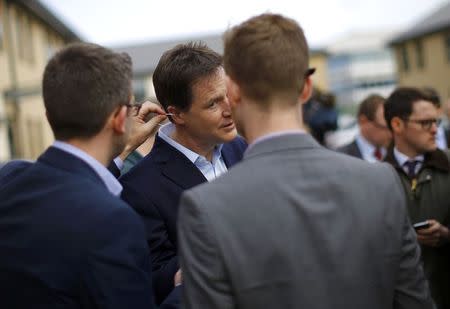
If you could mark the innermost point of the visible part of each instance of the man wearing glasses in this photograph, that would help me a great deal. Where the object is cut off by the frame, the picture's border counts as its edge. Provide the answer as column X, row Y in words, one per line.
column 67, row 240
column 374, row 136
column 425, row 173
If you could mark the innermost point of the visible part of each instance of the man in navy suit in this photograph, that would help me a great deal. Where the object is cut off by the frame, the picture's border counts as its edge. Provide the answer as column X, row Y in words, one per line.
column 66, row 239
column 198, row 145
column 374, row 136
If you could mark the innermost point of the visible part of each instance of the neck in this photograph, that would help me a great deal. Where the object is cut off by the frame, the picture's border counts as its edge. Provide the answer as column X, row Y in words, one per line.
column 273, row 120
column 96, row 147
column 204, row 149
column 406, row 149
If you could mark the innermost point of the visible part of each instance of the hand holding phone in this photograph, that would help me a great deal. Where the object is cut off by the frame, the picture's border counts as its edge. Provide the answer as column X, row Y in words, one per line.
column 421, row 225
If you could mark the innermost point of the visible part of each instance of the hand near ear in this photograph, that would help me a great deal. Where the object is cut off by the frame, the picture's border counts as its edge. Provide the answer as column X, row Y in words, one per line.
column 142, row 128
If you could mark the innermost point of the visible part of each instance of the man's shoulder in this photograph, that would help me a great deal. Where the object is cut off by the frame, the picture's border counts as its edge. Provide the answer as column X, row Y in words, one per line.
column 13, row 169
column 324, row 163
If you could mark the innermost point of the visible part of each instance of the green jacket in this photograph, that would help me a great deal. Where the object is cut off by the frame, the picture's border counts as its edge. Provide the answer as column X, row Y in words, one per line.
column 429, row 198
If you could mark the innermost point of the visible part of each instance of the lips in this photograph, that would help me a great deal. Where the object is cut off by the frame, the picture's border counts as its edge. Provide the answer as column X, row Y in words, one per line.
column 228, row 125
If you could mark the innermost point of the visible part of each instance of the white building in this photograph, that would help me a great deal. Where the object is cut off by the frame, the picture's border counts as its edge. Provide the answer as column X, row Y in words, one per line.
column 360, row 64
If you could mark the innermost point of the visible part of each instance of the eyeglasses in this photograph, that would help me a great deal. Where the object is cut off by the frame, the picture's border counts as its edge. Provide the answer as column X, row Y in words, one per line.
column 310, row 72
column 426, row 123
column 133, row 107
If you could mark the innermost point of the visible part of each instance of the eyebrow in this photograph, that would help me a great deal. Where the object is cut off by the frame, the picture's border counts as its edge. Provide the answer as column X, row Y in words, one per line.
column 215, row 99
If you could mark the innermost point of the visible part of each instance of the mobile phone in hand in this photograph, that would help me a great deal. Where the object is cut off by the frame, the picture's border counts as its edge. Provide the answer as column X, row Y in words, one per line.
column 421, row 225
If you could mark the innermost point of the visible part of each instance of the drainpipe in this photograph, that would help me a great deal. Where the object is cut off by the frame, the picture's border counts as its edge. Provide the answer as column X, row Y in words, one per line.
column 11, row 62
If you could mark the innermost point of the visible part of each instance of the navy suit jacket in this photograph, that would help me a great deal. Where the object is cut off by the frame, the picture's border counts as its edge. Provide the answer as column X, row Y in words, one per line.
column 351, row 149
column 66, row 242
column 153, row 188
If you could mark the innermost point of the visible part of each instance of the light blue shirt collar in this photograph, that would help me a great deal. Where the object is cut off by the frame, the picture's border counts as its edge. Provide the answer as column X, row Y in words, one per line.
column 367, row 149
column 111, row 183
column 402, row 158
column 209, row 169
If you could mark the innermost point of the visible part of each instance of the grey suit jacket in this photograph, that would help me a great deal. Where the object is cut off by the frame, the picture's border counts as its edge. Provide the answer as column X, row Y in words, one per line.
column 298, row 226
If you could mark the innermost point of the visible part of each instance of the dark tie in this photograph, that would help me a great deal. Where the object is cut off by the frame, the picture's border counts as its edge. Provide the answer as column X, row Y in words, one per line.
column 378, row 154
column 411, row 167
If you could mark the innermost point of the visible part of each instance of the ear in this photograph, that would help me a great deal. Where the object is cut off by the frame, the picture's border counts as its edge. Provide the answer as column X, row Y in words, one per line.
column 306, row 93
column 397, row 125
column 118, row 120
column 233, row 92
column 363, row 119
column 177, row 115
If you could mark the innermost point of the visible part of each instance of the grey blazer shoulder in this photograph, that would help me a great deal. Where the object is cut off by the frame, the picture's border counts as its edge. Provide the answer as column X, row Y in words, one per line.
column 294, row 222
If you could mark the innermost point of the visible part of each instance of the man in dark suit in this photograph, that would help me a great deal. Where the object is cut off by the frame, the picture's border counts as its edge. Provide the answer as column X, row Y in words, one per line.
column 294, row 225
column 199, row 144
column 374, row 135
column 66, row 239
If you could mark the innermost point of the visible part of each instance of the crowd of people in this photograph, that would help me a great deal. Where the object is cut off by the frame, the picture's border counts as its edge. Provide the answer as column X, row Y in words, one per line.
column 235, row 205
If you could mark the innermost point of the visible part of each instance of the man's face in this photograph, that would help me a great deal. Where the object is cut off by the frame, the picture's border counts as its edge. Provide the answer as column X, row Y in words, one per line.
column 208, row 121
column 414, row 131
column 377, row 129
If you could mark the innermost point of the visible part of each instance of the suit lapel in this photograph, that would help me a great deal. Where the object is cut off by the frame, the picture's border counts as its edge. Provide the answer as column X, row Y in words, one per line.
column 355, row 150
column 229, row 155
column 175, row 165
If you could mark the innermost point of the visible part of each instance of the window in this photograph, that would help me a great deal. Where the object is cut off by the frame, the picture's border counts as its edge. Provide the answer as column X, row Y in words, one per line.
column 24, row 37
column 35, row 137
column 404, row 58
column 419, row 54
column 51, row 47
column 447, row 46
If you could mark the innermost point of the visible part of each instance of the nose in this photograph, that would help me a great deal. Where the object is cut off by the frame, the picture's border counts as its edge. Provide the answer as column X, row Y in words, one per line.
column 226, row 107
column 434, row 128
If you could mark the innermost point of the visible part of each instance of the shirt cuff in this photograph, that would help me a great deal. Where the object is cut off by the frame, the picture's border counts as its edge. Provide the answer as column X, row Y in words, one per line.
column 119, row 163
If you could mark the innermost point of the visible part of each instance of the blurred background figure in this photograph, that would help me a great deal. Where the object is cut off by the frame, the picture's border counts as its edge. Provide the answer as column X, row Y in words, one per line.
column 442, row 134
column 374, row 136
column 320, row 114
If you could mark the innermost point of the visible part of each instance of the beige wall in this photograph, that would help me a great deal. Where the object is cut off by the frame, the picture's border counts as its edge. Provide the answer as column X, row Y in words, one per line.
column 35, row 131
column 436, row 70
column 32, row 43
column 4, row 143
column 319, row 61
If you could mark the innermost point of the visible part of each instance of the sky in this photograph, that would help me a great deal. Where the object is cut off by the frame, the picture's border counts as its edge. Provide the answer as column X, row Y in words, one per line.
column 124, row 22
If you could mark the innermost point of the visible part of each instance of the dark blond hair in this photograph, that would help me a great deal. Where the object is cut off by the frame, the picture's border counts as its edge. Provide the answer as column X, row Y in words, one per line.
column 267, row 56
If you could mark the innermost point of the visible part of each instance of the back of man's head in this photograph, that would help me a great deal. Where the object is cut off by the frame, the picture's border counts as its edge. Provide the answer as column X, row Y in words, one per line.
column 267, row 56
column 369, row 106
column 400, row 103
column 178, row 70
column 82, row 85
